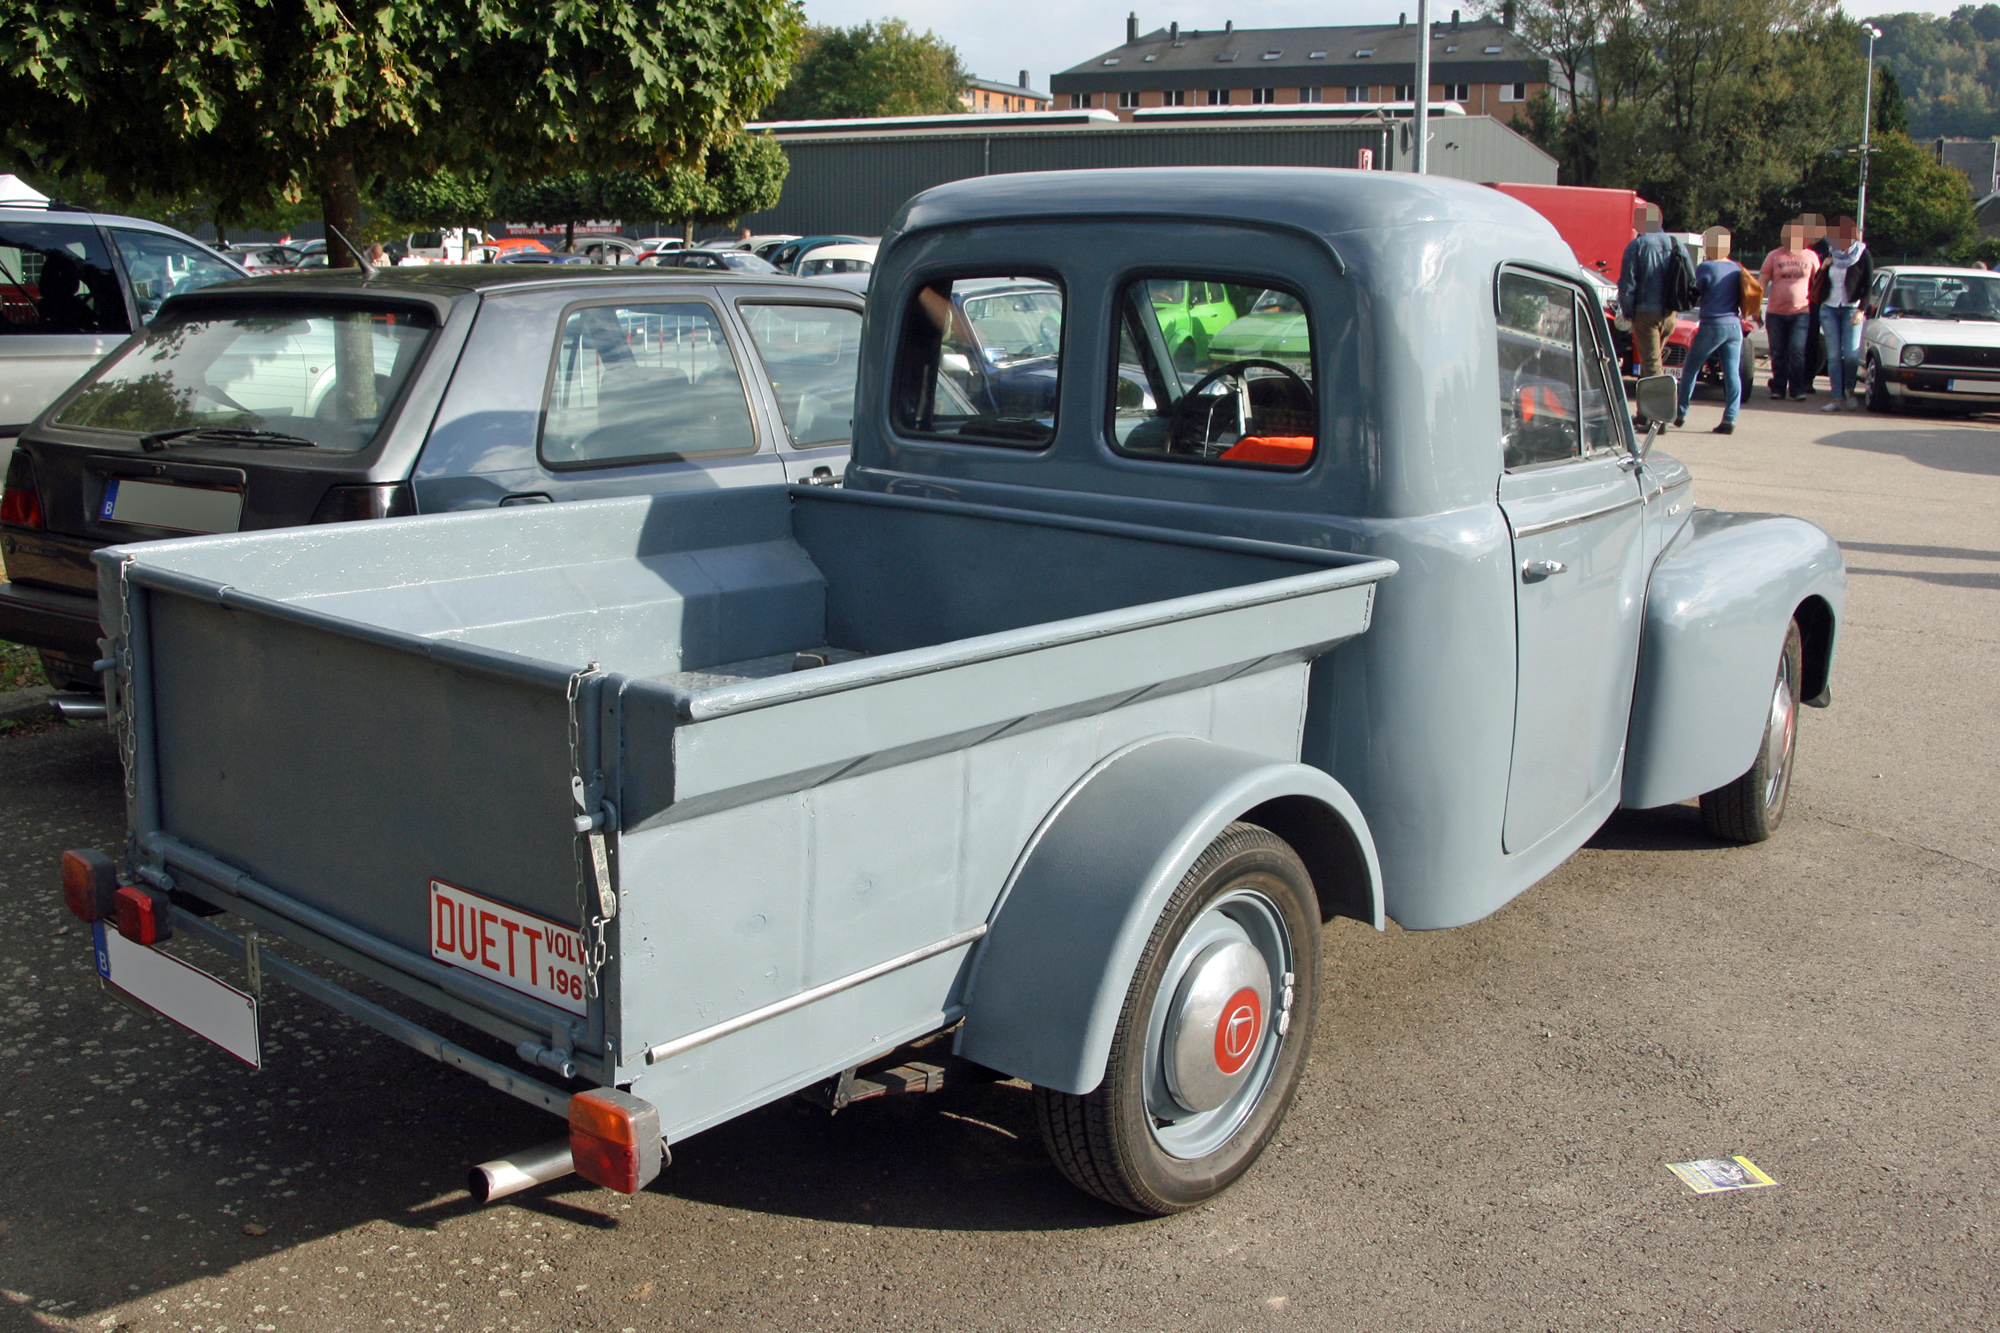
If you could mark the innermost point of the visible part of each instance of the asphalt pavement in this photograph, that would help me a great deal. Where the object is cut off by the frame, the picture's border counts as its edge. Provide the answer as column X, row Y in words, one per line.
column 1480, row 1142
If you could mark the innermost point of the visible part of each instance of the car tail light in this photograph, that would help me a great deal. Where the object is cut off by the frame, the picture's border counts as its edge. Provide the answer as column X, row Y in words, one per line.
column 89, row 883
column 21, row 503
column 614, row 1139
column 345, row 504
column 141, row 915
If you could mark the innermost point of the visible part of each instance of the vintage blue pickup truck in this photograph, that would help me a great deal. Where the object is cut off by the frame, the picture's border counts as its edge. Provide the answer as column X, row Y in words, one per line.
column 1049, row 742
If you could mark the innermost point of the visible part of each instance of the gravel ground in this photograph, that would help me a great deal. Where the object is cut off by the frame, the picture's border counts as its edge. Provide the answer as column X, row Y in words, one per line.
column 1480, row 1142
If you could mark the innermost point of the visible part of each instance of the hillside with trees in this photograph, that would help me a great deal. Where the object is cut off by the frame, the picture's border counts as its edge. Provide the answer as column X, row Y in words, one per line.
column 1948, row 69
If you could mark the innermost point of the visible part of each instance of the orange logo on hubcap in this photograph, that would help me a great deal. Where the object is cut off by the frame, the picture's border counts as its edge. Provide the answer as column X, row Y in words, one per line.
column 1236, row 1035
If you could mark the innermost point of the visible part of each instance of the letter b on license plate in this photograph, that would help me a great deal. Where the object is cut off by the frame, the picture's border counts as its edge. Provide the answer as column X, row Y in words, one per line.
column 518, row 949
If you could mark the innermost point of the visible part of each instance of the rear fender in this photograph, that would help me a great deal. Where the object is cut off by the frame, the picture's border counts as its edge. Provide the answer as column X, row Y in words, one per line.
column 1717, row 608
column 1050, row 977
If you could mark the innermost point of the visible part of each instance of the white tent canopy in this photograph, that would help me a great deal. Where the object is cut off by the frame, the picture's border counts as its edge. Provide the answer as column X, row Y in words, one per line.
column 17, row 193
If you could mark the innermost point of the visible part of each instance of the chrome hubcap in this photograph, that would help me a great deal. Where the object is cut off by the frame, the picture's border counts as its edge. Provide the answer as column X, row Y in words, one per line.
column 1218, row 1021
column 1780, row 735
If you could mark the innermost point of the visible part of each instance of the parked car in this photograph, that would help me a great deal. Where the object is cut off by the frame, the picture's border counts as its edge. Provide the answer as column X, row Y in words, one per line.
column 707, row 261
column 1931, row 339
column 1049, row 743
column 842, row 265
column 785, row 258
column 242, row 407
column 494, row 248
column 72, row 285
column 608, row 249
column 651, row 243
column 259, row 259
column 765, row 246
column 542, row 257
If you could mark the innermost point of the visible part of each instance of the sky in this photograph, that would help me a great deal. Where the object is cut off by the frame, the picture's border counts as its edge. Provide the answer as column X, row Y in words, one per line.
column 996, row 41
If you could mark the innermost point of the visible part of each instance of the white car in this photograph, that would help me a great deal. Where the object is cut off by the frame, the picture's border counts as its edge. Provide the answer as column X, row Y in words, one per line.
column 846, row 266
column 1932, row 337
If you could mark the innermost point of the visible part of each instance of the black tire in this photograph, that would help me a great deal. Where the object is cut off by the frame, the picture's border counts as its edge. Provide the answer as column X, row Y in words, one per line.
column 1746, row 373
column 1751, row 808
column 1107, row 1142
column 1877, row 392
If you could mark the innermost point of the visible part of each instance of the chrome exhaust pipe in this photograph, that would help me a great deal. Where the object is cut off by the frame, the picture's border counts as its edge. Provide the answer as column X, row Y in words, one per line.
column 518, row 1171
column 79, row 706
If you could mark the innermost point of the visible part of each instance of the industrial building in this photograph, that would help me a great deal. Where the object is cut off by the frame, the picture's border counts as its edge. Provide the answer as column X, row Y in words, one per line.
column 850, row 176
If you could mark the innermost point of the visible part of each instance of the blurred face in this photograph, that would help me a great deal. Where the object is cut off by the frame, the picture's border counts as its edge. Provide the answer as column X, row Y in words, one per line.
column 1845, row 232
column 1646, row 217
column 1715, row 243
column 1795, row 236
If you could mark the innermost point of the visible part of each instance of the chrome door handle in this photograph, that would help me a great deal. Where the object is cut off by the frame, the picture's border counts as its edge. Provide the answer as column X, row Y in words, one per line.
column 1534, row 571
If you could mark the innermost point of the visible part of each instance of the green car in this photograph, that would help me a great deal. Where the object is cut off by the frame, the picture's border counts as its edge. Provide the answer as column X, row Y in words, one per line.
column 1274, row 330
column 1189, row 315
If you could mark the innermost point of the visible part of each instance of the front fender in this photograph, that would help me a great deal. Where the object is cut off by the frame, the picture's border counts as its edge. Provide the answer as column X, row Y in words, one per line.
column 1721, row 597
column 1050, row 977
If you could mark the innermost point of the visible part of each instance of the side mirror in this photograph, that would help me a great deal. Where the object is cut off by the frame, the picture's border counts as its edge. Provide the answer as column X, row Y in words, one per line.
column 1658, row 399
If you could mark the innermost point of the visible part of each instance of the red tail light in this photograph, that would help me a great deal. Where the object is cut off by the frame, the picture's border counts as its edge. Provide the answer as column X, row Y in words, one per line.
column 89, row 883
column 614, row 1139
column 142, row 915
column 21, row 503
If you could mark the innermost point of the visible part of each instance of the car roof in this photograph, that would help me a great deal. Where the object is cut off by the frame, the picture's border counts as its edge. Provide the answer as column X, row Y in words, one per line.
column 865, row 250
column 434, row 282
column 101, row 219
column 1934, row 270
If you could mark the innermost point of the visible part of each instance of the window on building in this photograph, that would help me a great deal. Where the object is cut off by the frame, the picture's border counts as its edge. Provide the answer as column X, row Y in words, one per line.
column 1405, row 93
column 1451, row 50
column 1128, row 101
column 1492, row 50
column 1082, row 101
column 1364, row 53
column 1272, row 55
column 1263, row 96
column 1360, row 93
column 1169, row 401
column 1218, row 97
column 1457, row 92
column 1513, row 92
column 1312, row 94
column 979, row 361
column 1316, row 55
column 1174, row 97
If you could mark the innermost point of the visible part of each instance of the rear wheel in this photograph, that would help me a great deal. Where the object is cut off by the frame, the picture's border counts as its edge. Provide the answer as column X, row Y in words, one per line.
column 1212, row 1038
column 1750, row 808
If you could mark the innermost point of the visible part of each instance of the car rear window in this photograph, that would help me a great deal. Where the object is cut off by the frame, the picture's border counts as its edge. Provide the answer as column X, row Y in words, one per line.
column 810, row 353
column 1212, row 372
column 56, row 277
column 643, row 383
column 319, row 375
column 980, row 361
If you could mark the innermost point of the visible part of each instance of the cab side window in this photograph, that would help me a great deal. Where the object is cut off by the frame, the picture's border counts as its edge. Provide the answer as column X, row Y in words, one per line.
column 1539, row 396
column 1604, row 420
column 643, row 383
column 1212, row 372
column 55, row 277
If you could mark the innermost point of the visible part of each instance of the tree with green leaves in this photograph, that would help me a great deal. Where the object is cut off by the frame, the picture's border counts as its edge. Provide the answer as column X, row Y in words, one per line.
column 444, row 200
column 1892, row 116
column 745, row 173
column 1948, row 68
column 885, row 69
column 260, row 104
column 1918, row 208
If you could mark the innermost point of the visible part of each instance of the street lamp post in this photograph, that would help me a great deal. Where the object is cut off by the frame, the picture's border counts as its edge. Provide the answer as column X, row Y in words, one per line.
column 1867, row 124
column 1420, row 120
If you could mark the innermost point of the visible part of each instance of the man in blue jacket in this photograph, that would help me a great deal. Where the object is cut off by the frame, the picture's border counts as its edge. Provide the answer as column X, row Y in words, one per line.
column 1643, row 276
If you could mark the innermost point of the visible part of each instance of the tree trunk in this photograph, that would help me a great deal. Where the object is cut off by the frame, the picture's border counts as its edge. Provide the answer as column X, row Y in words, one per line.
column 687, row 232
column 569, row 237
column 340, row 201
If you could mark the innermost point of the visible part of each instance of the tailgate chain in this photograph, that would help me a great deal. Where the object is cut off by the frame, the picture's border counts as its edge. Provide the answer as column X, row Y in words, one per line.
column 600, row 866
column 124, row 732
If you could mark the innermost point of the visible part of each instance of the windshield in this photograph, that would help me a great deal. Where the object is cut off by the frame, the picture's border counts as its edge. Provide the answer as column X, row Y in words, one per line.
column 326, row 375
column 1944, row 296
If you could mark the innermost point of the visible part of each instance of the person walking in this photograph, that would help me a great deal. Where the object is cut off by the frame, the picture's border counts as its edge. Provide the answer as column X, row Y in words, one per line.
column 1849, row 268
column 1718, row 281
column 1643, row 276
column 1788, row 272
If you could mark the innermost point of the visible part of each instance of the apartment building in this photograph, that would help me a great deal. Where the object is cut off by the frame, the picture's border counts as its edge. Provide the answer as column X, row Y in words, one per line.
column 1480, row 63
column 989, row 95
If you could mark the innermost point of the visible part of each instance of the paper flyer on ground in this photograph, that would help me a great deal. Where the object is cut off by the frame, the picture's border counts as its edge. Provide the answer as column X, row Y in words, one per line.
column 1712, row 1175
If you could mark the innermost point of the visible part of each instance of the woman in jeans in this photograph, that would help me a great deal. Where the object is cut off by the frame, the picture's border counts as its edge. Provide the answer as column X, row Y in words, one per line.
column 1788, row 272
column 1839, row 285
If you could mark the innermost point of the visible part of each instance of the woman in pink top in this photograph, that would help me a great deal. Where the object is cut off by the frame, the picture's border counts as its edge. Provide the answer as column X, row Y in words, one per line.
column 1787, row 274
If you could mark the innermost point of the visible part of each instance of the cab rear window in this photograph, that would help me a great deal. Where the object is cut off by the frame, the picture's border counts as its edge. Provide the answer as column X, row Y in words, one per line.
column 981, row 361
column 304, row 375
column 1213, row 372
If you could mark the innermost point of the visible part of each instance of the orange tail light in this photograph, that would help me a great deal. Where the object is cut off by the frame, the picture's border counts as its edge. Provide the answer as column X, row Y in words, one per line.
column 614, row 1139
column 89, row 883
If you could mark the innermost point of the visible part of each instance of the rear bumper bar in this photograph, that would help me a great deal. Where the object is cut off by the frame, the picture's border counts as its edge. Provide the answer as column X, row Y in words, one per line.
column 64, row 622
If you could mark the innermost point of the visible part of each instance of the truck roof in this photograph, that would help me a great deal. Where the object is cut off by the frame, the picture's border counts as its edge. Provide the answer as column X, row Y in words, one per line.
column 1321, row 201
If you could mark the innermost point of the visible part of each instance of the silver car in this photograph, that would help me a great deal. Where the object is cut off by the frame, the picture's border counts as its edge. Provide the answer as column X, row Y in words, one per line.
column 72, row 286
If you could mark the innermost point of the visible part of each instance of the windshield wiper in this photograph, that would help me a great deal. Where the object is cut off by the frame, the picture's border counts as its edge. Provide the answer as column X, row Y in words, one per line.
column 249, row 439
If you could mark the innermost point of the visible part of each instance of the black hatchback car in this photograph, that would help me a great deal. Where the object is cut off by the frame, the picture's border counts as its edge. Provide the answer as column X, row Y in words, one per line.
column 323, row 397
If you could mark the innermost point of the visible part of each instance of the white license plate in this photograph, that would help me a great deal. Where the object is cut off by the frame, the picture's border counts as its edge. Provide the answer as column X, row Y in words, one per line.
column 1988, row 387
column 520, row 950
column 182, row 992
column 182, row 508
